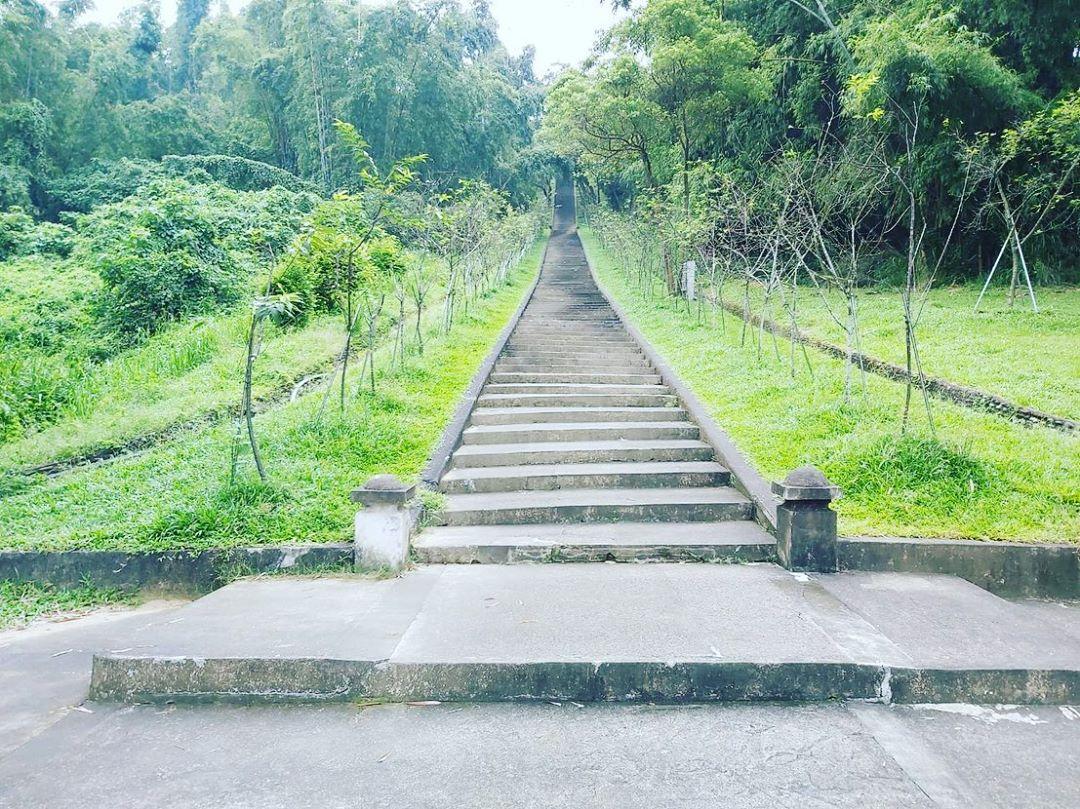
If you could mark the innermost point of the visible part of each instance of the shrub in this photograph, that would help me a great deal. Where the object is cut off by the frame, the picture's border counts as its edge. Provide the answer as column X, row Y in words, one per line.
column 20, row 235
column 178, row 248
column 238, row 173
column 294, row 278
column 14, row 225
column 102, row 182
column 49, row 239
column 161, row 257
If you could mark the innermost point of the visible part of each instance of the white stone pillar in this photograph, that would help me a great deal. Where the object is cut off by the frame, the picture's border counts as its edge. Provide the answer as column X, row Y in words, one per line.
column 384, row 524
column 690, row 280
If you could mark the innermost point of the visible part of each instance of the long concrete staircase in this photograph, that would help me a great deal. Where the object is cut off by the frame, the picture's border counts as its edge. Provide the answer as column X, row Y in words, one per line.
column 576, row 451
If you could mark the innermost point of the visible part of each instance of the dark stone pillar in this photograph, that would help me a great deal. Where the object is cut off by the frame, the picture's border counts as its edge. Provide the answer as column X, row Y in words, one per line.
column 805, row 525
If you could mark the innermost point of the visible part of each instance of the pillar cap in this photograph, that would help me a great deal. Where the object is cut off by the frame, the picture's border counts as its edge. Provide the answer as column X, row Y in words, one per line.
column 806, row 483
column 383, row 490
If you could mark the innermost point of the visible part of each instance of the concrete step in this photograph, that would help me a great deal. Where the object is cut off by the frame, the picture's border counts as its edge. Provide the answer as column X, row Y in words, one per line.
column 604, row 348
column 554, row 337
column 733, row 542
column 580, row 452
column 496, row 388
column 613, row 337
column 488, row 416
column 669, row 633
column 507, row 400
column 597, row 505
column 692, row 474
column 580, row 431
column 568, row 307
column 584, row 355
column 574, row 379
column 590, row 324
column 508, row 365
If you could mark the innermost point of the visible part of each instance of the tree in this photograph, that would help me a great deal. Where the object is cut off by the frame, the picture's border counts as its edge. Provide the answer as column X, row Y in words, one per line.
column 189, row 13
column 147, row 40
column 699, row 70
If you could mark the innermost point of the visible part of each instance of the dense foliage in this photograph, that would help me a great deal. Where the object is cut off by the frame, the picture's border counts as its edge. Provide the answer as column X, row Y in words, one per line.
column 971, row 106
column 255, row 92
column 150, row 177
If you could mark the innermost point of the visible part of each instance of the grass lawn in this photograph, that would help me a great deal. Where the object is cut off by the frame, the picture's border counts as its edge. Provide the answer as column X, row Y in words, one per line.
column 187, row 372
column 177, row 495
column 1031, row 359
column 21, row 603
column 981, row 477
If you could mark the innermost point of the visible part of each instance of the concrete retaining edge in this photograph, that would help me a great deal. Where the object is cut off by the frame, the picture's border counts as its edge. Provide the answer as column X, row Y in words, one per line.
column 247, row 681
column 1004, row 568
column 744, row 476
column 1008, row 569
column 195, row 571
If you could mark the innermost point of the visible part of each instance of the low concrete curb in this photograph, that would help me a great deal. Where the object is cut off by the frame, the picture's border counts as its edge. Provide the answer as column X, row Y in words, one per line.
column 249, row 681
column 942, row 388
column 177, row 570
column 1003, row 568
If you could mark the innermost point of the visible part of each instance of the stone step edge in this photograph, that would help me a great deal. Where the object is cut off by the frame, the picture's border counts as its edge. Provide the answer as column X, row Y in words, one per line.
column 263, row 680
column 510, row 553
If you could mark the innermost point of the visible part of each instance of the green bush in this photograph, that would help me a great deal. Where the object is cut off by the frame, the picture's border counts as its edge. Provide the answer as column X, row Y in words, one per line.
column 20, row 235
column 238, row 173
column 102, row 182
column 14, row 225
column 161, row 258
column 177, row 249
column 49, row 239
column 293, row 278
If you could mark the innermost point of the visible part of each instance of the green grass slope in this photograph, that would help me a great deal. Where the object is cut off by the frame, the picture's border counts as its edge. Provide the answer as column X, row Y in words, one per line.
column 177, row 495
column 982, row 477
column 1027, row 357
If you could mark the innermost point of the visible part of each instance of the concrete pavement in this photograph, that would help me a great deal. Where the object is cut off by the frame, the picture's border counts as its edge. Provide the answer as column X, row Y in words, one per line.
column 732, row 756
column 661, row 633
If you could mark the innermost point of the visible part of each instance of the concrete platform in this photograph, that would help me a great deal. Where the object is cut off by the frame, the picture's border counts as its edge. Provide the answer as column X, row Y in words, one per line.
column 659, row 633
column 60, row 752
